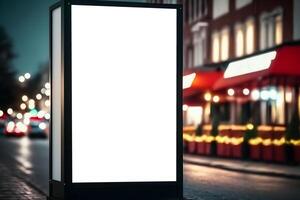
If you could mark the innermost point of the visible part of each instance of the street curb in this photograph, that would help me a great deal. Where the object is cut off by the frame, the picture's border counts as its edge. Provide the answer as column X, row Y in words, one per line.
column 224, row 167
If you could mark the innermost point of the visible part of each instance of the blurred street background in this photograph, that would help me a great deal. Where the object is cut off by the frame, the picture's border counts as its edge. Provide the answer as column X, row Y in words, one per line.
column 241, row 99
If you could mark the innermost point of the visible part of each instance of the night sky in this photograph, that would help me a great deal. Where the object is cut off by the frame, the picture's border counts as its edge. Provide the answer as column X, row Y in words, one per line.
column 26, row 22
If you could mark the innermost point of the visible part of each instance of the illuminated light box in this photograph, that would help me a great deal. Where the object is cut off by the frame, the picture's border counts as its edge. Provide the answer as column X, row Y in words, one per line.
column 116, row 75
column 250, row 65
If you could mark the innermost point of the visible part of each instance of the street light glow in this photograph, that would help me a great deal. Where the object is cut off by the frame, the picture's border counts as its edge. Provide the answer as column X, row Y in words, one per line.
column 26, row 121
column 47, row 116
column 47, row 103
column 38, row 96
column 1, row 113
column 47, row 92
column 21, row 79
column 24, row 98
column 185, row 107
column 246, row 91
column 207, row 96
column 27, row 76
column 255, row 95
column 264, row 94
column 216, row 99
column 288, row 96
column 23, row 106
column 31, row 101
column 230, row 92
column 47, row 85
column 42, row 125
column 43, row 90
column 31, row 106
column 41, row 114
column 10, row 126
column 273, row 94
column 19, row 115
column 10, row 111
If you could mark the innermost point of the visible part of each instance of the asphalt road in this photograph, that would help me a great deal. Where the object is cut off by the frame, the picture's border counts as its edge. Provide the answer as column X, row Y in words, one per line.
column 30, row 158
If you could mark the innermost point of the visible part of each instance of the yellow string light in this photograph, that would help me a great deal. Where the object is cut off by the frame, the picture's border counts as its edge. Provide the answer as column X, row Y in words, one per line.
column 239, row 140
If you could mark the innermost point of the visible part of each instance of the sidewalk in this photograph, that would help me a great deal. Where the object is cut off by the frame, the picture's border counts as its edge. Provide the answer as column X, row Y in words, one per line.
column 245, row 166
column 13, row 187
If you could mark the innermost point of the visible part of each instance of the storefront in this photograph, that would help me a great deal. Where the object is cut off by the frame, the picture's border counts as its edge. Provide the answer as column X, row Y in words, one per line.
column 197, row 94
column 258, row 104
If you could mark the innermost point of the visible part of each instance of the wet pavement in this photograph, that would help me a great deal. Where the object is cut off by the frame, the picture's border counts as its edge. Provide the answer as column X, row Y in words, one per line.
column 25, row 161
column 28, row 158
column 13, row 187
column 216, row 184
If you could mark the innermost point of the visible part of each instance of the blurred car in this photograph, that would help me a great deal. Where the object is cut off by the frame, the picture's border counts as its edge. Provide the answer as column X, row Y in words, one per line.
column 3, row 121
column 2, row 127
column 37, row 128
column 16, row 129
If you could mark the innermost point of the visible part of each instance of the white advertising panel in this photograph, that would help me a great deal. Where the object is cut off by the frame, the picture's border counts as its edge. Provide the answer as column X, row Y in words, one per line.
column 56, row 94
column 123, row 94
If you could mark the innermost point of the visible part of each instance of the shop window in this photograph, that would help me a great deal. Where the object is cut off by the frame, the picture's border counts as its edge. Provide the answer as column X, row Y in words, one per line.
column 225, row 112
column 194, row 115
column 280, row 105
column 245, row 114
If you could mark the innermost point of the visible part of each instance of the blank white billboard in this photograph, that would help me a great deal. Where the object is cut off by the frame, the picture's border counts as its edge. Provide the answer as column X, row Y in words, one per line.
column 123, row 94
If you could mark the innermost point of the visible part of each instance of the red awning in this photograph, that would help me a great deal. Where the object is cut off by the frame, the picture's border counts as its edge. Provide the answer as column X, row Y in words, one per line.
column 203, row 82
column 285, row 64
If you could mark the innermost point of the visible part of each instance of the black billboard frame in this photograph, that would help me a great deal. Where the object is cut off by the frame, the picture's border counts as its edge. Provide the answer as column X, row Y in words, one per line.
column 66, row 189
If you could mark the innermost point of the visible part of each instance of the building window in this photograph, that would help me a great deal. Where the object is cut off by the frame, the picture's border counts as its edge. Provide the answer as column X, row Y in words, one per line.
column 278, row 29
column 220, row 7
column 242, row 3
column 244, row 38
column 271, row 29
column 204, row 7
column 199, row 40
column 249, row 36
column 220, row 45
column 186, row 7
column 195, row 9
column 224, row 44
column 191, row 11
column 190, row 58
column 170, row 1
column 239, row 40
column 215, row 47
